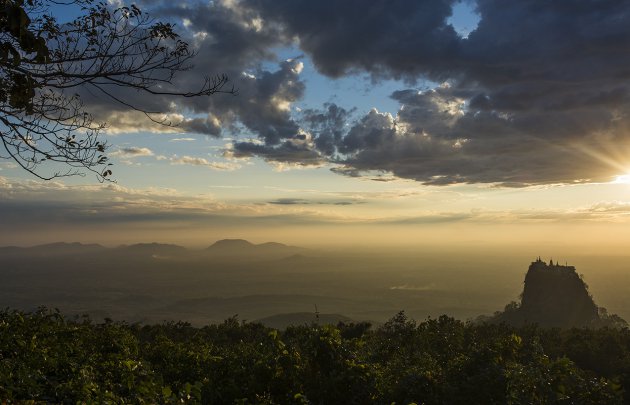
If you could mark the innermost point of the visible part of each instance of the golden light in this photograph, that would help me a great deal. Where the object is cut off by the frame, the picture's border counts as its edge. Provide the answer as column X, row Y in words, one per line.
column 622, row 179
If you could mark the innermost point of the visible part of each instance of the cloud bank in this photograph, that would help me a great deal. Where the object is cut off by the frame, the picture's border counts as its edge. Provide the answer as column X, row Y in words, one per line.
column 537, row 93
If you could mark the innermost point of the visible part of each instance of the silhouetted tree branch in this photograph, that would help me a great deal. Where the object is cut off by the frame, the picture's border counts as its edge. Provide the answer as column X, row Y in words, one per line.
column 43, row 62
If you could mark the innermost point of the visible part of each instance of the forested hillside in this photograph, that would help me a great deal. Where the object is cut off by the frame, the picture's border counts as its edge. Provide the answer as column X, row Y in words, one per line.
column 49, row 358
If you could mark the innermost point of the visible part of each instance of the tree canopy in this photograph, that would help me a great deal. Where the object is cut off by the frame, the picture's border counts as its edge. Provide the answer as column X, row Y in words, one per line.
column 46, row 357
column 44, row 125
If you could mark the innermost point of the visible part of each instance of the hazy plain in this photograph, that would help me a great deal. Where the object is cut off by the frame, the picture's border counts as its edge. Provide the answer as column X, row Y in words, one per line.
column 153, row 283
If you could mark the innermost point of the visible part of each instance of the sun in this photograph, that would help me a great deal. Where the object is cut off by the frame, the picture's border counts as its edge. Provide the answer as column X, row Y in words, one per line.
column 622, row 179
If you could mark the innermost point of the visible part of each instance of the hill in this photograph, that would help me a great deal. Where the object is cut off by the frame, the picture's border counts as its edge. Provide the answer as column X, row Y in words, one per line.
column 243, row 248
column 556, row 296
column 231, row 245
column 152, row 249
column 53, row 249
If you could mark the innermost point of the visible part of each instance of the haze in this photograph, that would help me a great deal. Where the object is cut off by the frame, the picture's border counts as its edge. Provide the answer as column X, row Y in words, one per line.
column 154, row 283
column 422, row 152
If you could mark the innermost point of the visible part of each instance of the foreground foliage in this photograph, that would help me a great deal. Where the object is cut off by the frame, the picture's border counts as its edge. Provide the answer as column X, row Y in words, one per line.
column 47, row 357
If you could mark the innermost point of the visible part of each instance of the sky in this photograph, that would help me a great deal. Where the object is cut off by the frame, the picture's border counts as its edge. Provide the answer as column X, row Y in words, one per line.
column 385, row 123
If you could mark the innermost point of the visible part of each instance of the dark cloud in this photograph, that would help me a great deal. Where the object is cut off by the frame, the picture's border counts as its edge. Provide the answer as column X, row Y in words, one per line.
column 301, row 201
column 327, row 126
column 209, row 125
column 436, row 139
column 263, row 103
column 537, row 93
column 532, row 40
column 371, row 132
column 288, row 201
column 557, row 43
column 298, row 150
column 399, row 38
column 228, row 39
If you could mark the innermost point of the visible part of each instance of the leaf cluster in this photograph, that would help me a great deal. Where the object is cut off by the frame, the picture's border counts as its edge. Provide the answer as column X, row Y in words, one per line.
column 46, row 357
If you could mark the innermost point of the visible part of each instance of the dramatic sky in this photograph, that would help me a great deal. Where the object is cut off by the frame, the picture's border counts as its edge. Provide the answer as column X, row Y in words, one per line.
column 398, row 121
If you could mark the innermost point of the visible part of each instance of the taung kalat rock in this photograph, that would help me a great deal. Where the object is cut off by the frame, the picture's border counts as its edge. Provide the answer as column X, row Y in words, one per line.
column 555, row 295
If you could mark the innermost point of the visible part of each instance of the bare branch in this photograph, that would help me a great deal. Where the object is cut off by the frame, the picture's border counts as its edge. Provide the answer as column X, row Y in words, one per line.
column 42, row 120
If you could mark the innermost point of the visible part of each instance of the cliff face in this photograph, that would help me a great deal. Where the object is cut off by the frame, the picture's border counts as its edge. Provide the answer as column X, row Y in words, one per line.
column 556, row 296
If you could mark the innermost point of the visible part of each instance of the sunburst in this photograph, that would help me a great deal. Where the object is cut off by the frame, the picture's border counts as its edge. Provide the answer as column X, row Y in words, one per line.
column 622, row 179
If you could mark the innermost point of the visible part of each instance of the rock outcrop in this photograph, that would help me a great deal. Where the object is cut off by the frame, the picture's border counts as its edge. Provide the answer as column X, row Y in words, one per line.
column 556, row 296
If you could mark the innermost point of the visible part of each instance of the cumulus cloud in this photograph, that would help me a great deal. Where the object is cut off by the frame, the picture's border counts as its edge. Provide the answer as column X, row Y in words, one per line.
column 298, row 150
column 132, row 151
column 198, row 161
column 228, row 39
column 118, row 121
column 537, row 93
column 327, row 125
column 397, row 38
column 437, row 138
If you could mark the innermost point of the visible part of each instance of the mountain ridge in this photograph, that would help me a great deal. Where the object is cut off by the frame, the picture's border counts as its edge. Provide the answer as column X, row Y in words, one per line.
column 242, row 247
column 222, row 247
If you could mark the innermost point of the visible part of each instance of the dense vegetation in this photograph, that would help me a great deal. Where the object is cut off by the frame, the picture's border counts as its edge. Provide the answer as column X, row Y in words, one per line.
column 49, row 358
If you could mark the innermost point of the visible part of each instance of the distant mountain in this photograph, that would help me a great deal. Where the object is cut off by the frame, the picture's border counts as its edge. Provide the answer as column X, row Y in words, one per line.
column 281, row 321
column 272, row 245
column 227, row 245
column 221, row 248
column 153, row 249
column 243, row 248
column 296, row 258
column 556, row 296
column 54, row 249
